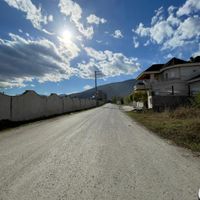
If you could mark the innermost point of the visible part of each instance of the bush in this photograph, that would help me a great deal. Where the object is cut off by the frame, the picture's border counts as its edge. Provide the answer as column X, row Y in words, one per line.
column 140, row 96
column 128, row 99
column 196, row 102
column 185, row 113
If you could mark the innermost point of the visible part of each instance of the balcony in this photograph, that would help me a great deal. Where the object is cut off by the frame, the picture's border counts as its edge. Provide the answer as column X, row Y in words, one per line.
column 141, row 86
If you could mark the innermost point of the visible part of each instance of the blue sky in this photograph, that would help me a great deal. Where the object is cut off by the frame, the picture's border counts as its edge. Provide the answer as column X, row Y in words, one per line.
column 54, row 46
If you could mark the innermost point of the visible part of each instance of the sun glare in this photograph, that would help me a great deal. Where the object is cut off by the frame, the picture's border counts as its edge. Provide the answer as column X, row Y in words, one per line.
column 66, row 36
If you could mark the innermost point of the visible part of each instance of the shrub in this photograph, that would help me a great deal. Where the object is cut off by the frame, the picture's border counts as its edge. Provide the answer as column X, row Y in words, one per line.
column 196, row 102
column 140, row 96
column 185, row 113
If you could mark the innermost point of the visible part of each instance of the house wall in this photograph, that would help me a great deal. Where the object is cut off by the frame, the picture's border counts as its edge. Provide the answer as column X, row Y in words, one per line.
column 189, row 72
column 30, row 105
column 176, row 77
column 170, row 74
column 184, row 72
column 164, row 88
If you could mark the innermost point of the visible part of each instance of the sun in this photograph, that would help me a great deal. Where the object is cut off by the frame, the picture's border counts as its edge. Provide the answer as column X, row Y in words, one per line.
column 66, row 36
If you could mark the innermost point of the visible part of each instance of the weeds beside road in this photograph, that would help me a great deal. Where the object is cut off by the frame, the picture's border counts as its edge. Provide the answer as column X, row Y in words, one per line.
column 181, row 126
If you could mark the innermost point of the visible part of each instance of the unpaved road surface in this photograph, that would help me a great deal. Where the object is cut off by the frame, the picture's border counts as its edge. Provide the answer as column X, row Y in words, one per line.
column 97, row 154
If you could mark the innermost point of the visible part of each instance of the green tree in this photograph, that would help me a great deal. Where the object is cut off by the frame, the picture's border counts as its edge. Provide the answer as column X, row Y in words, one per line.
column 140, row 96
column 114, row 99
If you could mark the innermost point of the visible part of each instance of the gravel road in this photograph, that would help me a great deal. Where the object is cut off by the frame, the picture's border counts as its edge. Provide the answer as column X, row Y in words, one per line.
column 96, row 154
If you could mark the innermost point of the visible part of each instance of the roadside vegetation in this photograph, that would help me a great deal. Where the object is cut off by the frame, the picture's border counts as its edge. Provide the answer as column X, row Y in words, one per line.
column 181, row 125
column 137, row 97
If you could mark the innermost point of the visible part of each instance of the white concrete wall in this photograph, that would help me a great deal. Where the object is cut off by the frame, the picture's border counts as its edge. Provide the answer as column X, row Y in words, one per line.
column 5, row 106
column 83, row 103
column 76, row 104
column 68, row 105
column 30, row 105
column 88, row 103
column 93, row 103
column 54, row 105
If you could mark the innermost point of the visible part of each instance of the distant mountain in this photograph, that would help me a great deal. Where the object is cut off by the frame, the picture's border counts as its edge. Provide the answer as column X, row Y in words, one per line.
column 119, row 89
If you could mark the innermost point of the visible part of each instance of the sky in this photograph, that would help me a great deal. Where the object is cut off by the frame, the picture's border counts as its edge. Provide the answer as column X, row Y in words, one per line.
column 54, row 46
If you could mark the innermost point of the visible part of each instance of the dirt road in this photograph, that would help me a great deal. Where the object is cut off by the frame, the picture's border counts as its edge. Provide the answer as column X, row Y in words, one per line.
column 95, row 154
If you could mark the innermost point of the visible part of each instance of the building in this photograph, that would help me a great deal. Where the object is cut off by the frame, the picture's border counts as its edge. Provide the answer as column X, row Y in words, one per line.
column 174, row 79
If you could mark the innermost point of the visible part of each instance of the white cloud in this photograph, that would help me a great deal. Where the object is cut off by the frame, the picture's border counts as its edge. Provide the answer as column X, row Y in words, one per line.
column 190, row 6
column 33, row 13
column 47, row 32
column 20, row 30
column 98, row 55
column 135, row 42
column 171, row 9
column 173, row 31
column 87, row 87
column 23, row 60
column 50, row 18
column 187, row 32
column 158, row 17
column 172, row 20
column 160, row 31
column 142, row 31
column 117, row 34
column 189, row 28
column 147, row 43
column 197, row 52
column 109, row 63
column 74, row 11
column 93, row 19
column 168, row 56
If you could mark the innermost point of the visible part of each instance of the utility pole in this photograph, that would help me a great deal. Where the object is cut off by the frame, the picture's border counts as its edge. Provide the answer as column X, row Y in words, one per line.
column 95, row 81
column 96, row 73
column 96, row 90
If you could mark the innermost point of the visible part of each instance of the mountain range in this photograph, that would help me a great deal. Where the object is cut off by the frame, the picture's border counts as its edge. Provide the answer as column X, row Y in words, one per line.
column 118, row 89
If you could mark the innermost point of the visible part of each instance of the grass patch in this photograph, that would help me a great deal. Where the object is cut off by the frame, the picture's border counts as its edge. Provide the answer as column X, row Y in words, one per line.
column 181, row 126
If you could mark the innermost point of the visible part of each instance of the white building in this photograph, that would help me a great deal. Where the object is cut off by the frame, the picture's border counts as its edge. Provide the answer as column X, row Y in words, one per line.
column 175, row 78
